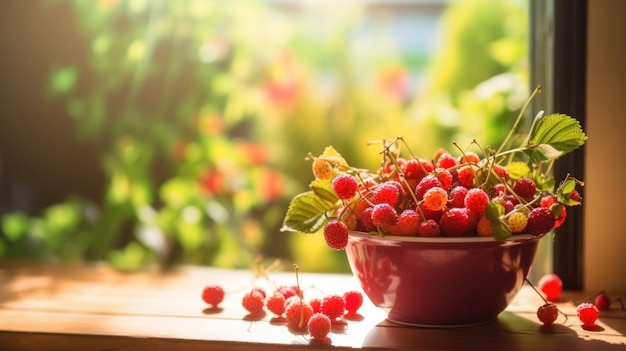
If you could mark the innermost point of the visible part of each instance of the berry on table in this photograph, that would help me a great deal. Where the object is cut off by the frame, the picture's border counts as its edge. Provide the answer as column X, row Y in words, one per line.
column 547, row 314
column 551, row 285
column 213, row 295
column 603, row 302
column 298, row 314
column 333, row 306
column 253, row 303
column 336, row 234
column 588, row 314
column 354, row 301
column 319, row 326
column 276, row 304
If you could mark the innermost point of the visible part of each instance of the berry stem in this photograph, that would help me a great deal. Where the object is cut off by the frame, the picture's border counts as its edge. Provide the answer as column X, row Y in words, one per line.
column 300, row 296
column 519, row 118
column 543, row 298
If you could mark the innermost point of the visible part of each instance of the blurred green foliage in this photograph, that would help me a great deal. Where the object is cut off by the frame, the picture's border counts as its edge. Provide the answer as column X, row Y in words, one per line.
column 206, row 110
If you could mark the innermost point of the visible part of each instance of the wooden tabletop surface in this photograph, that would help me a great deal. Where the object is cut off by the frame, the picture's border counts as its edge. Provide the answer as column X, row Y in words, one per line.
column 61, row 307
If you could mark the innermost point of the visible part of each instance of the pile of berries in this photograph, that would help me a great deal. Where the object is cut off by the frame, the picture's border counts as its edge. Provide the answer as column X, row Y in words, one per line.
column 490, row 192
column 314, row 316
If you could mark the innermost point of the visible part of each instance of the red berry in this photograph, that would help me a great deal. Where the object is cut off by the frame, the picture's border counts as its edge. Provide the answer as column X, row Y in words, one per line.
column 425, row 184
column 298, row 314
column 588, row 314
column 498, row 190
column 465, row 176
column 502, row 172
column 253, row 302
column 417, row 169
column 213, row 295
column 407, row 225
column 435, row 199
column 336, row 234
column 276, row 304
column 476, row 200
column 551, row 285
column 457, row 196
column 288, row 290
column 525, row 187
column 388, row 193
column 469, row 157
column 345, row 186
column 603, row 302
column 429, row 228
column 540, row 221
column 547, row 314
column 354, row 301
column 446, row 161
column 316, row 304
column 384, row 215
column 333, row 306
column 454, row 222
column 445, row 177
column 319, row 326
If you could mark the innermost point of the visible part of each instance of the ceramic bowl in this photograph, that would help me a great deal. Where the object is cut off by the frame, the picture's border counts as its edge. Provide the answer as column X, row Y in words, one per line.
column 441, row 282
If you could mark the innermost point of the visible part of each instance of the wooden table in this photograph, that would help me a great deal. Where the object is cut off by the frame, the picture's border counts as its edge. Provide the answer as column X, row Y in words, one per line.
column 60, row 307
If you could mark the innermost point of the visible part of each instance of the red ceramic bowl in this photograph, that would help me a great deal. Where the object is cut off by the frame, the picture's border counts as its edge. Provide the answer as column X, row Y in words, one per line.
column 441, row 282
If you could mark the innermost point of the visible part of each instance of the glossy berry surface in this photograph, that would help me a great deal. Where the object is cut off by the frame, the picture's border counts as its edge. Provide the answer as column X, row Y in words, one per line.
column 345, row 186
column 333, row 306
column 588, row 314
column 603, row 302
column 551, row 285
column 547, row 314
column 336, row 235
column 354, row 301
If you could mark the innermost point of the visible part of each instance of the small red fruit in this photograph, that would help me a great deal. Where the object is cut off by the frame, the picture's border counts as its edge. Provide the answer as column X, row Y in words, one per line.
column 354, row 301
column 603, row 302
column 345, row 186
column 276, row 304
column 213, row 295
column 319, row 326
column 588, row 314
column 336, row 234
column 333, row 306
column 253, row 302
column 547, row 314
column 298, row 314
column 552, row 286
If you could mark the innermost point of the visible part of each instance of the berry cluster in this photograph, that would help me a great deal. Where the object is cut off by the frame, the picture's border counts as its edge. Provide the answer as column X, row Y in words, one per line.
column 314, row 315
column 487, row 192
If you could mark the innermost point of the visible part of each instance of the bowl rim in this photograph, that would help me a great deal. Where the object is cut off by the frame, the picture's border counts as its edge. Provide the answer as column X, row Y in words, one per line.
column 442, row 239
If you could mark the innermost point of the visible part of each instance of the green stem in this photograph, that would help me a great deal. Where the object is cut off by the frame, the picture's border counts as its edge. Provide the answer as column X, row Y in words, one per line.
column 519, row 118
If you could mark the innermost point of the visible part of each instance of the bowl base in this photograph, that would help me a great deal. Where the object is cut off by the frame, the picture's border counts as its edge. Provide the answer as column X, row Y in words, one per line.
column 442, row 326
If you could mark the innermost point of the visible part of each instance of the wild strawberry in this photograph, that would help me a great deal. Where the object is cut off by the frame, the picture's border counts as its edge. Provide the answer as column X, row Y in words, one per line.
column 575, row 195
column 469, row 157
column 298, row 314
column 517, row 222
column 551, row 285
column 345, row 186
column 276, row 304
column 457, row 196
column 429, row 228
column 525, row 188
column 354, row 301
column 476, row 200
column 316, row 304
column 288, row 290
column 213, row 295
column 384, row 215
column 319, row 326
column 483, row 227
column 502, row 172
column 407, row 225
column 428, row 182
column 435, row 199
column 333, row 306
column 603, row 302
column 547, row 314
column 253, row 302
column 465, row 176
column 445, row 161
column 387, row 193
column 445, row 177
column 588, row 314
column 497, row 190
column 540, row 221
column 323, row 169
column 454, row 222
column 365, row 222
column 336, row 234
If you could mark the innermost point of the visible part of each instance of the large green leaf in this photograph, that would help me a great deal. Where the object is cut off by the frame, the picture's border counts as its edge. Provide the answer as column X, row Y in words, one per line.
column 306, row 213
column 324, row 189
column 553, row 136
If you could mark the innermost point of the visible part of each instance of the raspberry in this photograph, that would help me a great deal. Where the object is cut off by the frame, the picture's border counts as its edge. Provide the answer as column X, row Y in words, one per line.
column 407, row 225
column 525, row 188
column 498, row 190
column 446, row 161
column 551, row 285
column 213, row 295
column 260, row 291
column 365, row 222
column 469, row 157
column 387, row 193
column 547, row 314
column 428, row 182
column 445, row 177
column 298, row 314
column 540, row 221
column 322, row 169
column 333, row 306
column 454, row 222
column 288, row 290
column 316, row 304
column 354, row 301
column 276, row 304
column 457, row 196
column 435, row 199
column 575, row 195
column 384, row 215
column 465, row 176
column 502, row 172
column 517, row 222
column 429, row 228
column 476, row 200
column 253, row 302
column 603, row 302
column 588, row 314
column 345, row 186
column 319, row 326
column 336, row 234
column 483, row 227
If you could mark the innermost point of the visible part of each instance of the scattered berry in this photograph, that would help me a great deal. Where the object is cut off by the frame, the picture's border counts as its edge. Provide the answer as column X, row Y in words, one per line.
column 213, row 295
column 298, row 314
column 316, row 304
column 552, row 286
column 354, row 301
column 588, row 314
column 603, row 302
column 336, row 234
column 319, row 326
column 345, row 186
column 547, row 314
column 253, row 302
column 333, row 306
column 276, row 304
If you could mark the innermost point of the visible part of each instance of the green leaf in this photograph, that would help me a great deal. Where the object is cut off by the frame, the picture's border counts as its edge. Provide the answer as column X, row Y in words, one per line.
column 553, row 136
column 494, row 210
column 324, row 189
column 307, row 213
column 500, row 231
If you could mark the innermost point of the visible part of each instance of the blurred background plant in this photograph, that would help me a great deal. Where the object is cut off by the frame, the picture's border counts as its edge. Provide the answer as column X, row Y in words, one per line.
column 202, row 112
